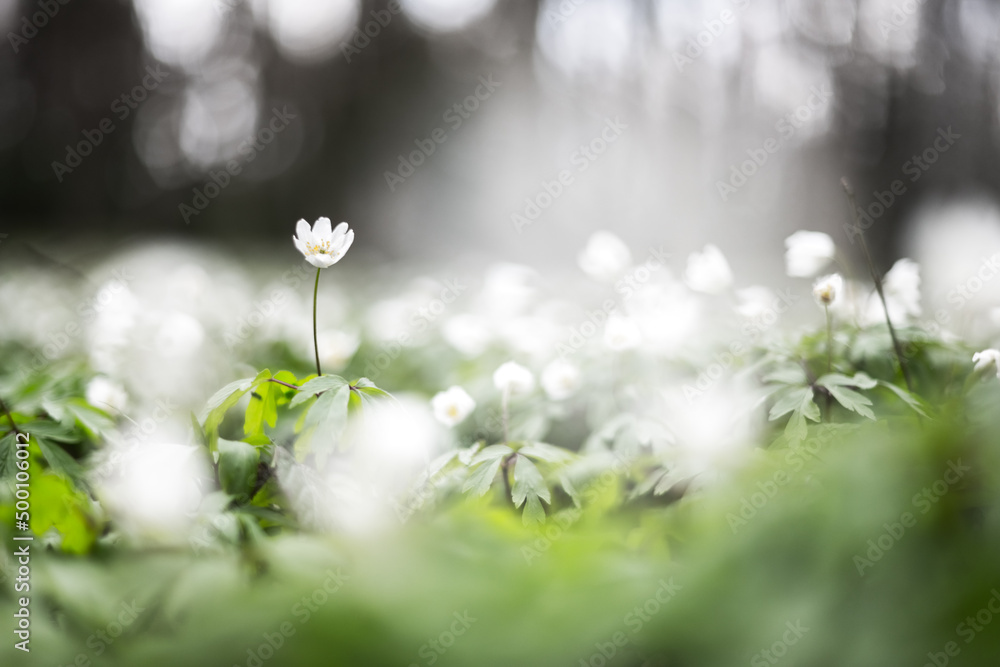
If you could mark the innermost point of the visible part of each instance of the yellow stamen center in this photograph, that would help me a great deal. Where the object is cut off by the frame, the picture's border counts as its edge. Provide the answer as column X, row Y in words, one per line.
column 322, row 248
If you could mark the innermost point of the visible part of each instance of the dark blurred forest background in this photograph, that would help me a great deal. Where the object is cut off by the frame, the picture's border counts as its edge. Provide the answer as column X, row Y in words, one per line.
column 898, row 70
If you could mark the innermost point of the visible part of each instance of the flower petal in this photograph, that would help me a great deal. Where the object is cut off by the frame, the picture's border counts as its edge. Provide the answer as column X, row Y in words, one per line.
column 302, row 231
column 322, row 229
column 319, row 261
column 339, row 231
column 345, row 245
column 299, row 245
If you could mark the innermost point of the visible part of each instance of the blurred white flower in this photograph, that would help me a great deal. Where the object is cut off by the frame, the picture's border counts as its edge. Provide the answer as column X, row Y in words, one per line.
column 560, row 379
column 153, row 489
column 621, row 333
column 321, row 245
column 507, row 290
column 605, row 257
column 337, row 347
column 807, row 253
column 755, row 301
column 708, row 271
column 902, row 287
column 178, row 335
column 104, row 394
column 514, row 378
column 987, row 358
column 667, row 315
column 452, row 406
column 828, row 289
column 714, row 430
column 467, row 333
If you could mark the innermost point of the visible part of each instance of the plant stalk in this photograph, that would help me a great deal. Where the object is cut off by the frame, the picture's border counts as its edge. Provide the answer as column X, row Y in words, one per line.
column 877, row 279
column 10, row 418
column 315, row 336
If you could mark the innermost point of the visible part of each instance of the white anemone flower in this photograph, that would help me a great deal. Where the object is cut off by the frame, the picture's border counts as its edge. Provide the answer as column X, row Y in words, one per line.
column 605, row 257
column 322, row 245
column 154, row 489
column 560, row 379
column 807, row 253
column 514, row 379
column 452, row 406
column 987, row 358
column 708, row 271
column 104, row 394
column 621, row 333
column 828, row 289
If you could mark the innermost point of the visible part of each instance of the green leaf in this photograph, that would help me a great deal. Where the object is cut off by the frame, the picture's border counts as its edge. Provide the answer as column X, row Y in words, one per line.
column 91, row 419
column 852, row 400
column 237, row 466
column 796, row 428
column 860, row 380
column 319, row 385
column 481, row 479
column 570, row 489
column 367, row 387
column 58, row 458
column 58, row 504
column 533, row 511
column 788, row 400
column 545, row 452
column 490, row 452
column 793, row 375
column 8, row 458
column 910, row 399
column 263, row 409
column 528, row 488
column 51, row 430
column 220, row 402
column 325, row 421
column 258, row 440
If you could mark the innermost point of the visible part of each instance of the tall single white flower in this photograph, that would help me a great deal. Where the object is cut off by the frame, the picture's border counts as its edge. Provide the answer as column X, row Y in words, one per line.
column 514, row 378
column 827, row 290
column 807, row 253
column 322, row 245
column 560, row 379
column 621, row 333
column 708, row 271
column 987, row 358
column 452, row 406
column 605, row 257
column 107, row 395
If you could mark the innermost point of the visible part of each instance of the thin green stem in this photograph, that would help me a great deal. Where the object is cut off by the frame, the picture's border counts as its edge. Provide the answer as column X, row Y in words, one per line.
column 10, row 417
column 286, row 384
column 315, row 335
column 877, row 279
column 829, row 358
column 829, row 340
